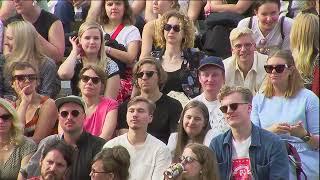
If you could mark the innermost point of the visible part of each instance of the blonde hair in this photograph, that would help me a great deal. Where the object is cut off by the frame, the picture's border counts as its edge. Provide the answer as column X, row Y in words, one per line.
column 304, row 40
column 16, row 131
column 227, row 90
column 239, row 32
column 295, row 82
column 102, row 57
column 186, row 26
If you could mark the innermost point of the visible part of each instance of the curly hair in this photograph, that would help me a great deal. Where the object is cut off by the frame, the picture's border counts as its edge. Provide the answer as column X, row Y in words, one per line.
column 127, row 18
column 186, row 26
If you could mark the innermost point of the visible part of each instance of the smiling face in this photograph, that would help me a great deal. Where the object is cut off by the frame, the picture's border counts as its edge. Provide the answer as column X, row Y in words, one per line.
column 171, row 35
column 243, row 48
column 115, row 10
column 24, row 78
column 91, row 41
column 193, row 122
column 211, row 79
column 268, row 15
column 9, row 39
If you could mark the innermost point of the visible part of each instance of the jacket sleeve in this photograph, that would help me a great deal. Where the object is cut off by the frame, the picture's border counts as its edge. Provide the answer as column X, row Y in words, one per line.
column 279, row 162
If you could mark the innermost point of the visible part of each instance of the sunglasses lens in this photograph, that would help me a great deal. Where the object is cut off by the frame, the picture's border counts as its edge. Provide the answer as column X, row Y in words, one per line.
column 75, row 113
column 176, row 28
column 233, row 106
column 64, row 114
column 279, row 68
column 5, row 117
column 149, row 74
column 95, row 80
column 140, row 75
column 224, row 109
column 167, row 27
column 85, row 78
column 268, row 68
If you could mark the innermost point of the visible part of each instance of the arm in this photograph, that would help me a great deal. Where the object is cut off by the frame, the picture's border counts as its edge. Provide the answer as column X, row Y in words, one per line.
column 109, row 125
column 126, row 57
column 162, row 162
column 279, row 163
column 49, row 85
column 54, row 47
column 148, row 13
column 113, row 87
column 95, row 10
column 138, row 6
column 24, row 162
column 194, row 9
column 48, row 116
column 147, row 39
column 240, row 7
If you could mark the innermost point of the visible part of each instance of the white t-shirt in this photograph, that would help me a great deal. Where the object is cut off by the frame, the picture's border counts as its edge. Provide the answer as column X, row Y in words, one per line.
column 147, row 161
column 240, row 167
column 216, row 119
column 127, row 34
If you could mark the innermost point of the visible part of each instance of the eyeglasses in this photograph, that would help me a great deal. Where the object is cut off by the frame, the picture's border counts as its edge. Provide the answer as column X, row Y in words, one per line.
column 74, row 113
column 24, row 77
column 95, row 172
column 187, row 159
column 6, row 117
column 246, row 46
column 168, row 27
column 279, row 68
column 95, row 80
column 148, row 73
column 233, row 107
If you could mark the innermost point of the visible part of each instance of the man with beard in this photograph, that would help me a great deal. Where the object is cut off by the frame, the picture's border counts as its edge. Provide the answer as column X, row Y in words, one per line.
column 86, row 146
column 55, row 161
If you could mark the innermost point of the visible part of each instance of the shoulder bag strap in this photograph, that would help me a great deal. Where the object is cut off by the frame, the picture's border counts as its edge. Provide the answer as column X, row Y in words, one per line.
column 117, row 31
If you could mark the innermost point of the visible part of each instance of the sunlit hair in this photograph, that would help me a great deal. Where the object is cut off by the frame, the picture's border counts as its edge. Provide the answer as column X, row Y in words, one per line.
column 137, row 99
column 208, row 161
column 295, row 82
column 16, row 131
column 186, row 26
column 115, row 160
column 26, row 45
column 225, row 91
column 304, row 42
column 162, row 75
column 17, row 66
column 238, row 32
column 102, row 57
column 258, row 3
column 183, row 137
column 127, row 18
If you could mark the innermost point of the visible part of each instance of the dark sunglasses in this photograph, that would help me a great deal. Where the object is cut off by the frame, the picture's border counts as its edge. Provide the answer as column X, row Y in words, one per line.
column 74, row 113
column 187, row 159
column 6, row 117
column 148, row 73
column 233, row 107
column 95, row 80
column 24, row 77
column 168, row 27
column 279, row 68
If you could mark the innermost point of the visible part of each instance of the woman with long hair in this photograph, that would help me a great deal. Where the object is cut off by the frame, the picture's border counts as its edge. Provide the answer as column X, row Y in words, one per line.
column 88, row 49
column 288, row 109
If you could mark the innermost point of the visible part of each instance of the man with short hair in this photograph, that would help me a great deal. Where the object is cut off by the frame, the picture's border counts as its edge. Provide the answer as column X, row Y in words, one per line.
column 55, row 160
column 247, row 151
column 211, row 77
column 149, row 157
column 71, row 118
column 245, row 66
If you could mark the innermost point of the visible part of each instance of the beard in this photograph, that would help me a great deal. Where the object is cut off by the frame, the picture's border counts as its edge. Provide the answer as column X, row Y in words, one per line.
column 51, row 176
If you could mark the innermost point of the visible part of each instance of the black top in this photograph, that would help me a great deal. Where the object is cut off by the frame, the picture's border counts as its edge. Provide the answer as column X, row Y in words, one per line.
column 165, row 117
column 174, row 81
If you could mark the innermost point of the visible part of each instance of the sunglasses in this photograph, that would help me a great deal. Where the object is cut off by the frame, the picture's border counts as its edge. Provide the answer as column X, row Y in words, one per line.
column 24, row 77
column 95, row 80
column 246, row 46
column 187, row 159
column 233, row 107
column 74, row 113
column 148, row 73
column 279, row 68
column 168, row 27
column 6, row 117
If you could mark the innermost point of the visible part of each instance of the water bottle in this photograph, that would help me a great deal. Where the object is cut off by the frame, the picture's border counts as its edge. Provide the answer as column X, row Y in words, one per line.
column 78, row 14
column 174, row 170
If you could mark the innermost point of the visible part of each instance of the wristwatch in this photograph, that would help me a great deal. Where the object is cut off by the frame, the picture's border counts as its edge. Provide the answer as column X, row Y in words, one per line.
column 307, row 137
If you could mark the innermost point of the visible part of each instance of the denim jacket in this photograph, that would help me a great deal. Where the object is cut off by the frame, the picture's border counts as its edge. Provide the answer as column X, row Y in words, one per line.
column 268, row 155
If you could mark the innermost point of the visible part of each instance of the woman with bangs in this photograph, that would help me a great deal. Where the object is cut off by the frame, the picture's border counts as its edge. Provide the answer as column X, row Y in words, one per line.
column 305, row 47
column 101, row 112
column 115, row 17
column 288, row 109
column 88, row 49
column 15, row 149
column 22, row 44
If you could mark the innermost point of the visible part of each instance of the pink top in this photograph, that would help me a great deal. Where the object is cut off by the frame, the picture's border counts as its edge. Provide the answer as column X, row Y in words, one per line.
column 95, row 122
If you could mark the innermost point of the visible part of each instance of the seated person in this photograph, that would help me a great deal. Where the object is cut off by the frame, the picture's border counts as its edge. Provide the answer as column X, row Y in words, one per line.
column 111, row 163
column 247, row 151
column 235, row 6
column 15, row 149
column 245, row 66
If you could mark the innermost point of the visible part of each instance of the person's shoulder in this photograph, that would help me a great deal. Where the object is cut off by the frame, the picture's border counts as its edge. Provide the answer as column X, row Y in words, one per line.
column 169, row 100
column 119, row 140
column 244, row 22
column 95, row 139
column 155, row 143
column 228, row 62
column 26, row 141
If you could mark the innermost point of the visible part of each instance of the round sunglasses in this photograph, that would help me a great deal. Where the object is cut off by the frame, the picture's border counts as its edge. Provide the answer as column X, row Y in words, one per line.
column 278, row 68
column 74, row 113
column 168, row 27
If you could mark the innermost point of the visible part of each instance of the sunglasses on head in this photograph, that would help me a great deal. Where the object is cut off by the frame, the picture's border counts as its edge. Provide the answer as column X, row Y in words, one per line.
column 233, row 107
column 24, row 77
column 6, row 117
column 86, row 78
column 148, row 73
column 279, row 68
column 168, row 27
column 187, row 159
column 74, row 113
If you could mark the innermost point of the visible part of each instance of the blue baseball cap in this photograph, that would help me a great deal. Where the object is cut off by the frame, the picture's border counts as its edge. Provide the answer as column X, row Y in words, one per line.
column 211, row 60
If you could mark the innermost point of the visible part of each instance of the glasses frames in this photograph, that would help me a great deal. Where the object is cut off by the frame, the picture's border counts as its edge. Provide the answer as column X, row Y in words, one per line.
column 168, row 27
column 85, row 79
column 149, row 74
column 278, row 68
column 246, row 46
column 24, row 77
column 6, row 117
column 232, row 106
column 187, row 159
column 74, row 113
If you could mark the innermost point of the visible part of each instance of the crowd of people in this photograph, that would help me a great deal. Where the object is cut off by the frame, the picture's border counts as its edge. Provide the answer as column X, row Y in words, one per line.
column 149, row 100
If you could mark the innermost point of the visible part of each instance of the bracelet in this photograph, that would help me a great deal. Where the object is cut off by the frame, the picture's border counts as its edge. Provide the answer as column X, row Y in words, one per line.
column 108, row 50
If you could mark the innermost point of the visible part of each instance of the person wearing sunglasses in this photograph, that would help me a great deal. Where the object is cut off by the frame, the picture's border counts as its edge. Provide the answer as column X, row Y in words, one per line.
column 15, row 149
column 287, row 108
column 71, row 116
column 111, row 164
column 149, row 77
column 38, row 113
column 101, row 113
column 247, row 151
column 245, row 66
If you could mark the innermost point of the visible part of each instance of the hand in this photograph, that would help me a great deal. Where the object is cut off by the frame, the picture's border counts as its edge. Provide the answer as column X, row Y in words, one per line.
column 76, row 46
column 298, row 130
column 207, row 8
column 280, row 128
column 26, row 95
